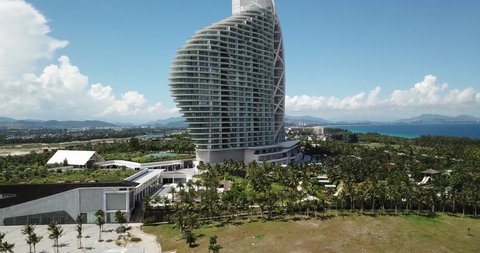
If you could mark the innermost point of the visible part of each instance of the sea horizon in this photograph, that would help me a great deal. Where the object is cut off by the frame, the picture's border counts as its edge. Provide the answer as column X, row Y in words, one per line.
column 414, row 130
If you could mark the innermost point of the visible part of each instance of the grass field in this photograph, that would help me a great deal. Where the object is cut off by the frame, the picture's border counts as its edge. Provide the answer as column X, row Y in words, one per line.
column 338, row 234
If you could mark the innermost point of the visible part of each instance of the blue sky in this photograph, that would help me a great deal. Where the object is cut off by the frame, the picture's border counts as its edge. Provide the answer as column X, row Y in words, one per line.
column 377, row 59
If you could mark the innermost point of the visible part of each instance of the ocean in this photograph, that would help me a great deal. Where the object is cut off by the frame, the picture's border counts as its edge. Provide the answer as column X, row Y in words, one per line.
column 470, row 130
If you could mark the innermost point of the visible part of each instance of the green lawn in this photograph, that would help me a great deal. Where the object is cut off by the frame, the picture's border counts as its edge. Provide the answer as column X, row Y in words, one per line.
column 72, row 176
column 338, row 234
column 144, row 157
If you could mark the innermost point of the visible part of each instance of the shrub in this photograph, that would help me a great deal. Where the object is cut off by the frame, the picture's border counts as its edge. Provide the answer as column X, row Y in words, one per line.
column 121, row 230
column 135, row 239
column 149, row 220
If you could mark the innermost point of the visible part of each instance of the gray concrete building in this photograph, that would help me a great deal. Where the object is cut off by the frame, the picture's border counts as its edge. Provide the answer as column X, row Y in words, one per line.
column 42, row 204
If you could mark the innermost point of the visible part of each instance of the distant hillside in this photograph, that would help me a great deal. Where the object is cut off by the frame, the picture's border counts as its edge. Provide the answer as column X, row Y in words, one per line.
column 435, row 118
column 170, row 122
column 76, row 124
column 6, row 120
column 27, row 124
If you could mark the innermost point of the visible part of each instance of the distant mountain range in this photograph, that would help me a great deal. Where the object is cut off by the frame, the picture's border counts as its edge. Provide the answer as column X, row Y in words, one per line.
column 170, row 122
column 179, row 122
column 29, row 124
column 422, row 119
column 289, row 120
column 436, row 118
column 6, row 120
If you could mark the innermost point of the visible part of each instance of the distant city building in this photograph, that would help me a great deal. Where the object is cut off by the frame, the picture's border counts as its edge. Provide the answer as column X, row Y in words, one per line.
column 229, row 82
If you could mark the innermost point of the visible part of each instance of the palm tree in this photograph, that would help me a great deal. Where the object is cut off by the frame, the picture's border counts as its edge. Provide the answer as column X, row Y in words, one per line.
column 181, row 185
column 182, row 194
column 33, row 239
column 55, row 232
column 146, row 202
column 214, row 247
column 79, row 229
column 172, row 191
column 190, row 238
column 5, row 246
column 419, row 197
column 178, row 219
column 28, row 230
column 100, row 221
column 373, row 192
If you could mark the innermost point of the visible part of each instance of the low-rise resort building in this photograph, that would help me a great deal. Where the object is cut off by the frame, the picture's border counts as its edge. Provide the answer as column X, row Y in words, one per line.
column 62, row 202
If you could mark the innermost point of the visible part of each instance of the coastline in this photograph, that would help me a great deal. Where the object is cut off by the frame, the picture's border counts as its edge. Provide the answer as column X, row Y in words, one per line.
column 414, row 130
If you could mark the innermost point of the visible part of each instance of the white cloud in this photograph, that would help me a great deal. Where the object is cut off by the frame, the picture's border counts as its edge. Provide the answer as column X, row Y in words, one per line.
column 374, row 96
column 24, row 39
column 458, row 97
column 101, row 93
column 423, row 93
column 60, row 91
column 426, row 96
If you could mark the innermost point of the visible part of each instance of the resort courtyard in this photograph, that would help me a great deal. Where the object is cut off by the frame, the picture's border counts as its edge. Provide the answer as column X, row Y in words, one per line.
column 90, row 243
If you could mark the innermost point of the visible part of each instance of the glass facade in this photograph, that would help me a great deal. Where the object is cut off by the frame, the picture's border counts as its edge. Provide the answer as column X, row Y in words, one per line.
column 61, row 217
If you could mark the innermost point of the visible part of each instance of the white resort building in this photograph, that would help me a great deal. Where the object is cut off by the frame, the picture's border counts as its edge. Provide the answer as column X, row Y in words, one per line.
column 229, row 82
column 42, row 203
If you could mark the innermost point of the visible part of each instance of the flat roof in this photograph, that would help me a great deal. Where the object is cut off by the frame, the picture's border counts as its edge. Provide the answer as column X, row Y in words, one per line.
column 144, row 177
column 289, row 144
column 188, row 172
column 284, row 145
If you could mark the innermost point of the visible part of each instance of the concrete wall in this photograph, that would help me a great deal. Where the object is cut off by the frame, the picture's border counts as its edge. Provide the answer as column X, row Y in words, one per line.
column 219, row 156
column 91, row 200
column 68, row 201
column 116, row 201
column 74, row 202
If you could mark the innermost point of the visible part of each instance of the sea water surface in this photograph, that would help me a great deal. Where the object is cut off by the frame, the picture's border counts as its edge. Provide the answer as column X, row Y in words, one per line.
column 470, row 130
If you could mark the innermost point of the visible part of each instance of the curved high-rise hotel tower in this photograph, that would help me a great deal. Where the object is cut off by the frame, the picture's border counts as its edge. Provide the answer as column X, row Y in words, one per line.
column 229, row 82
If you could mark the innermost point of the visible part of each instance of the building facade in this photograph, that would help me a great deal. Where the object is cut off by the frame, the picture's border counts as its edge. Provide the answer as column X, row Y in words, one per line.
column 42, row 204
column 229, row 82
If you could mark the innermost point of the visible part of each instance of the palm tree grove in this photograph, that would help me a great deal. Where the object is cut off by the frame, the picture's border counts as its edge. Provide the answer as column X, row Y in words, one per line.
column 364, row 174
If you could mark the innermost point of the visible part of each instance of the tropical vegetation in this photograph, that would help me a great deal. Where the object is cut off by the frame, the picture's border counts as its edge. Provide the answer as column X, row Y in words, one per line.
column 378, row 177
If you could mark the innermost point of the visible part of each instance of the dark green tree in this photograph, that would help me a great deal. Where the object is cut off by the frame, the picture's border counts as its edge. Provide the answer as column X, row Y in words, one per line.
column 100, row 221
column 55, row 232
column 120, row 217
column 5, row 246
column 190, row 238
column 213, row 246
column 79, row 229
column 28, row 230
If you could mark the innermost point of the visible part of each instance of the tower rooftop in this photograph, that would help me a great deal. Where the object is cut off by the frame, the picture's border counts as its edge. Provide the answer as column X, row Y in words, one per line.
column 241, row 5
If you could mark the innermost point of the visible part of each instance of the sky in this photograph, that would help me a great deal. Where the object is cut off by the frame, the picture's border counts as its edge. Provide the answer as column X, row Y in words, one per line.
column 346, row 59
